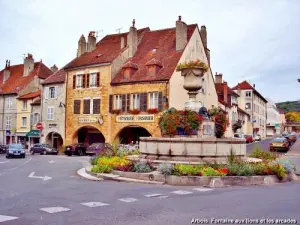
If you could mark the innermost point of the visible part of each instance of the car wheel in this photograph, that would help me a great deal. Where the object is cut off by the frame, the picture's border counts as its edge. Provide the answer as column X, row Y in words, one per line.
column 69, row 154
column 80, row 153
column 45, row 153
column 31, row 152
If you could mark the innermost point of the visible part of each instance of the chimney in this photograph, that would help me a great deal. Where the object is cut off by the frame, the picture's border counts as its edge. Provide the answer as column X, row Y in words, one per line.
column 91, row 41
column 122, row 42
column 203, row 34
column 181, row 34
column 225, row 91
column 132, row 40
column 81, row 46
column 6, row 72
column 28, row 65
column 54, row 68
column 254, row 86
column 219, row 78
column 239, row 89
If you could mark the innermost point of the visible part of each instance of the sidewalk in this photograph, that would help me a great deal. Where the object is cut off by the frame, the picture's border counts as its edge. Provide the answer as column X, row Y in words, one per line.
column 295, row 149
column 294, row 155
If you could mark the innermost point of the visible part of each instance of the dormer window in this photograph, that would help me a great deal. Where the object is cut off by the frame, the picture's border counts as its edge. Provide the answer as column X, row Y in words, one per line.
column 129, row 69
column 153, row 66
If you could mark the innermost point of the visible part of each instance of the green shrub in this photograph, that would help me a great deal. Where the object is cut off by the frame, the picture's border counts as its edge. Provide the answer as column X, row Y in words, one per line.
column 166, row 168
column 240, row 169
column 278, row 170
column 116, row 145
column 287, row 164
column 231, row 158
column 101, row 169
column 94, row 160
column 264, row 155
column 142, row 167
column 187, row 170
column 209, row 171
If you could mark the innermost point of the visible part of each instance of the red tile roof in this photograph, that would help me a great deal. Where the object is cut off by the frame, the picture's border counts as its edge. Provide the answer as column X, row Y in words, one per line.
column 246, row 86
column 130, row 64
column 57, row 77
column 159, row 45
column 154, row 62
column 220, row 90
column 36, row 101
column 16, row 82
column 31, row 95
column 107, row 49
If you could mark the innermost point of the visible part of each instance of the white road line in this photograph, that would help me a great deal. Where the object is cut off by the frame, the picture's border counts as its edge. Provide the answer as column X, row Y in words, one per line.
column 203, row 189
column 163, row 196
column 94, row 204
column 4, row 162
column 152, row 195
column 7, row 218
column 55, row 209
column 180, row 192
column 21, row 164
column 51, row 161
column 128, row 199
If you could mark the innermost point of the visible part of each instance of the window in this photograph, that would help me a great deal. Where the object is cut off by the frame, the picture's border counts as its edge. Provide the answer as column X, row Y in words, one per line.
column 96, row 105
column 24, row 121
column 248, row 106
column 87, row 106
column 50, row 113
column 93, row 80
column 135, row 101
column 9, row 103
column 77, row 106
column 234, row 100
column 153, row 100
column 36, row 118
column 52, row 92
column 79, row 81
column 248, row 93
column 25, row 104
column 118, row 102
column 8, row 122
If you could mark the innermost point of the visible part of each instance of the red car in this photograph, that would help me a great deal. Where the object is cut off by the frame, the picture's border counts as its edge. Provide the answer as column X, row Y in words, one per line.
column 249, row 138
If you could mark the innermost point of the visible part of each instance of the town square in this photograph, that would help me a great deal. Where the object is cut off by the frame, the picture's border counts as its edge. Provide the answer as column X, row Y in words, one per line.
column 164, row 113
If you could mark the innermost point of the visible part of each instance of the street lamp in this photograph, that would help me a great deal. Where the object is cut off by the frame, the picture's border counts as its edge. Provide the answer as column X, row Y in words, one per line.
column 299, row 80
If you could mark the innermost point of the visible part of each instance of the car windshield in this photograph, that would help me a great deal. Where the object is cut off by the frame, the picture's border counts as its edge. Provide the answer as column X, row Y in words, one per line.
column 278, row 140
column 15, row 146
column 46, row 145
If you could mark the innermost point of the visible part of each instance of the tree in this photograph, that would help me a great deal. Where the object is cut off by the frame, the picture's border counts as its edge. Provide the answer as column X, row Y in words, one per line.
column 292, row 116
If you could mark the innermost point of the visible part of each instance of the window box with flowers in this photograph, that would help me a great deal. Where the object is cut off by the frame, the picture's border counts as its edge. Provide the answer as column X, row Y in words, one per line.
column 135, row 111
column 116, row 111
column 153, row 111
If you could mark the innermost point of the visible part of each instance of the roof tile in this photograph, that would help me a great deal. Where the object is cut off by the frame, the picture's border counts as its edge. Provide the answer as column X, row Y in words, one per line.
column 57, row 77
column 31, row 95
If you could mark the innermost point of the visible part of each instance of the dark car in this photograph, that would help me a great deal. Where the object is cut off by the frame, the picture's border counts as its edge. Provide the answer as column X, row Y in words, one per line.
column 97, row 148
column 3, row 148
column 249, row 138
column 75, row 149
column 279, row 143
column 17, row 150
column 42, row 149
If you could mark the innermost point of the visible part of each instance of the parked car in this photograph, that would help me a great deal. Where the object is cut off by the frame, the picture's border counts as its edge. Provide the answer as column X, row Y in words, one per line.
column 42, row 149
column 257, row 137
column 97, row 148
column 249, row 138
column 291, row 139
column 17, row 150
column 3, row 148
column 75, row 149
column 279, row 143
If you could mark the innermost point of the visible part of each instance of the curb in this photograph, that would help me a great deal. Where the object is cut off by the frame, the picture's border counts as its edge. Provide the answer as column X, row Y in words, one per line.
column 82, row 173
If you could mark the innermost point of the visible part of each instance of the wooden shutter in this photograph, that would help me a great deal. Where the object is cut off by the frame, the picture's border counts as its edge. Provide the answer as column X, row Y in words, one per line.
column 88, row 80
column 96, row 106
column 86, row 106
column 127, row 102
column 98, row 79
column 46, row 93
column 74, row 81
column 83, row 80
column 56, row 92
column 123, row 103
column 110, row 103
column 77, row 106
column 160, row 96
column 143, row 102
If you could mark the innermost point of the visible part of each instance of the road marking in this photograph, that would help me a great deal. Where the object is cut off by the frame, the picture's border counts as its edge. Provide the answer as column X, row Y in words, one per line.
column 94, row 204
column 7, row 218
column 203, row 189
column 51, row 161
column 31, row 175
column 182, row 192
column 163, row 196
column 128, row 199
column 4, row 162
column 152, row 195
column 21, row 165
column 55, row 209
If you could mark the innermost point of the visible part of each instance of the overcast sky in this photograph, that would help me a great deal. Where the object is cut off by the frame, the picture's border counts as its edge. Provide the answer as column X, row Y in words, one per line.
column 257, row 40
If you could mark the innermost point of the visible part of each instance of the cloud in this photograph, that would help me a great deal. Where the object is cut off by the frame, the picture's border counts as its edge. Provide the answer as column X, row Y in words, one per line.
column 256, row 40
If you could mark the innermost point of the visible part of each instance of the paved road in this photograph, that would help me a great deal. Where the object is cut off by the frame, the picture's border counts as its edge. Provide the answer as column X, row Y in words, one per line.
column 28, row 201
column 264, row 145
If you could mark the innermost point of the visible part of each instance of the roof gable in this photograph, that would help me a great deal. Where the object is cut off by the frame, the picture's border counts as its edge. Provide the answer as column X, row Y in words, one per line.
column 246, row 86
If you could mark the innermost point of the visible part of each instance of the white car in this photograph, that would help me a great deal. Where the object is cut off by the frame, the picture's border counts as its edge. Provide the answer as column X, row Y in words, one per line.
column 257, row 137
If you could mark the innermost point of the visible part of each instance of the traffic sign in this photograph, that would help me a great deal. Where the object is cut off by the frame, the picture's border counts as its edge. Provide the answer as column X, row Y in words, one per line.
column 39, row 126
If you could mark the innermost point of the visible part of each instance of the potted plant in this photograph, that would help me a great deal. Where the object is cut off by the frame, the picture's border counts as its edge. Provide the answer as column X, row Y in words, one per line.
column 135, row 111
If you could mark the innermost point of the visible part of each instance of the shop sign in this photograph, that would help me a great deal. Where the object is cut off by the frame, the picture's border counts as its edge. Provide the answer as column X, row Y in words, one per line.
column 51, row 125
column 135, row 118
column 87, row 120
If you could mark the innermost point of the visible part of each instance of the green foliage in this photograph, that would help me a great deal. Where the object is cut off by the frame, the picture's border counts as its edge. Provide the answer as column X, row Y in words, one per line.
column 221, row 120
column 264, row 155
column 289, row 106
column 231, row 158
column 209, row 171
column 192, row 64
column 116, row 145
column 240, row 169
column 187, row 170
column 287, row 164
column 278, row 170
column 94, row 160
column 142, row 167
column 166, row 168
column 101, row 169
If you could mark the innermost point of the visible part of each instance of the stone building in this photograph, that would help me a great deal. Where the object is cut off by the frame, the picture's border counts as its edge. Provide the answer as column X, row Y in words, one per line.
column 53, row 103
column 119, row 87
column 256, row 106
column 15, row 81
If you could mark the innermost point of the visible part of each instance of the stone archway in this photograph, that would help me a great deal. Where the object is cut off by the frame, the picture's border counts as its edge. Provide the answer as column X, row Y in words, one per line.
column 131, row 134
column 88, row 135
column 54, row 139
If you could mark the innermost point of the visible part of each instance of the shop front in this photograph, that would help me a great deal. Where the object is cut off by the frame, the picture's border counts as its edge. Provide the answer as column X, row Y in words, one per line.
column 33, row 137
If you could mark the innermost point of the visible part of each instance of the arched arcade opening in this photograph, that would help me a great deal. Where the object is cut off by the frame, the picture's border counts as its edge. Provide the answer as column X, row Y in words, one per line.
column 88, row 135
column 131, row 134
column 54, row 139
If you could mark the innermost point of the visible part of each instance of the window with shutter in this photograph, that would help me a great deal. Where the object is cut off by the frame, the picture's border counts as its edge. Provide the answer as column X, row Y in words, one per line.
column 96, row 106
column 160, row 96
column 46, row 93
column 77, row 106
column 118, row 102
column 136, row 101
column 93, row 80
column 110, row 103
column 86, row 106
column 153, row 100
column 83, row 80
column 74, row 81
column 128, row 102
column 88, row 83
column 123, row 103
column 143, row 102
column 98, row 79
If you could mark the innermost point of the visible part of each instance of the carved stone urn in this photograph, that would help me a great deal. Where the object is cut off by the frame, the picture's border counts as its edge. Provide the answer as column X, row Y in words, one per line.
column 193, row 83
